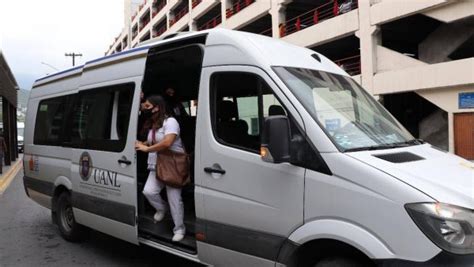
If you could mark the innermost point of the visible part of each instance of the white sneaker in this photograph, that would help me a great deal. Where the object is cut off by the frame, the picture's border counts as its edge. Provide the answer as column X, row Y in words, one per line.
column 177, row 237
column 159, row 215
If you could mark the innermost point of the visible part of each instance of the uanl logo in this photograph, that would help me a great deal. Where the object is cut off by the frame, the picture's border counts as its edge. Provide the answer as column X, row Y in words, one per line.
column 85, row 166
column 100, row 176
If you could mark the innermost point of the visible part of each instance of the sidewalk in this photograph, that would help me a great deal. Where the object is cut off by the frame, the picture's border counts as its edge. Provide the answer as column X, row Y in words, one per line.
column 9, row 172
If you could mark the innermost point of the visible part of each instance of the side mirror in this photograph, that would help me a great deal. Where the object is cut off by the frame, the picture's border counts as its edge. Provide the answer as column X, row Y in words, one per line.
column 275, row 146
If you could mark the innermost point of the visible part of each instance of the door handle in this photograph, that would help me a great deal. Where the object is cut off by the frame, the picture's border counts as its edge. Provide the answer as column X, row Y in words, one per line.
column 125, row 161
column 214, row 169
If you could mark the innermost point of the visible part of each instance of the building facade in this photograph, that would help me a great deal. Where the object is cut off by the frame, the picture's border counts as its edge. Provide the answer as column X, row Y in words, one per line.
column 8, row 97
column 417, row 56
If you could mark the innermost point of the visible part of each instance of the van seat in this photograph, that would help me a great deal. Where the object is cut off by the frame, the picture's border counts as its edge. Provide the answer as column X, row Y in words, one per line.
column 229, row 127
column 276, row 110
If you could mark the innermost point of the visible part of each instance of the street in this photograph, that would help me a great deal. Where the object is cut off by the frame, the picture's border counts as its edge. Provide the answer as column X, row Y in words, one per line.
column 29, row 238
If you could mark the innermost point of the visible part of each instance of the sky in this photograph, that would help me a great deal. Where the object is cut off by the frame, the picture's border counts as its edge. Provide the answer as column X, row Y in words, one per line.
column 36, row 31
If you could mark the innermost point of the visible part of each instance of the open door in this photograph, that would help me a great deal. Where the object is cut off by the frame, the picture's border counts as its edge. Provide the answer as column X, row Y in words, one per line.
column 177, row 66
column 103, row 165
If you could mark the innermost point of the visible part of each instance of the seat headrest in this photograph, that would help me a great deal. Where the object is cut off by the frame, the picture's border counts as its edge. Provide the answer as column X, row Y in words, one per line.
column 276, row 110
column 227, row 110
column 242, row 126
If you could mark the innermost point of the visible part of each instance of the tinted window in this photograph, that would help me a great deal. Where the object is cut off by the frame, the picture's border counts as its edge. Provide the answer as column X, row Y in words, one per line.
column 240, row 102
column 100, row 118
column 50, row 120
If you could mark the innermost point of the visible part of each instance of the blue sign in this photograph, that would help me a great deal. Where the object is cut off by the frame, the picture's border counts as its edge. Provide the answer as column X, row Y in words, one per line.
column 466, row 100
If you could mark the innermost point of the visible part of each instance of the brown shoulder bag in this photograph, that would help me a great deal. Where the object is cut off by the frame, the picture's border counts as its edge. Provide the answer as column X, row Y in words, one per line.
column 172, row 168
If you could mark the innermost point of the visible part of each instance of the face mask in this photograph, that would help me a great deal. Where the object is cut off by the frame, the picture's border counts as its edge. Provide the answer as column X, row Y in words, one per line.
column 147, row 111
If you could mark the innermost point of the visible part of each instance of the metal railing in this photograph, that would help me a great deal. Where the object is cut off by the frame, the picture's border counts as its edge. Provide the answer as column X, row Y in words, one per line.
column 212, row 23
column 179, row 15
column 158, row 8
column 195, row 3
column 237, row 7
column 134, row 31
column 325, row 11
column 267, row 32
column 350, row 64
column 159, row 32
column 144, row 21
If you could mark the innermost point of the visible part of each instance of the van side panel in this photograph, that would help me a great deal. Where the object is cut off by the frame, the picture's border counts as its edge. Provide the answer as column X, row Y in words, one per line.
column 121, row 69
column 229, row 257
column 104, row 193
column 56, row 88
column 43, row 165
column 360, row 197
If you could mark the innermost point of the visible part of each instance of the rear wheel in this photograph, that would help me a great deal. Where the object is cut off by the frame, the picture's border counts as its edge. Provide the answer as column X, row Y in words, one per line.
column 68, row 227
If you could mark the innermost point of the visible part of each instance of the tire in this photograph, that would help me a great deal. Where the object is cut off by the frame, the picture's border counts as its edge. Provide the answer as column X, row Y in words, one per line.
column 341, row 262
column 68, row 227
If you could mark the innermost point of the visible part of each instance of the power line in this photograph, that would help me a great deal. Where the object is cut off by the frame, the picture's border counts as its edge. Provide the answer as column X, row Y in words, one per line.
column 51, row 66
column 73, row 55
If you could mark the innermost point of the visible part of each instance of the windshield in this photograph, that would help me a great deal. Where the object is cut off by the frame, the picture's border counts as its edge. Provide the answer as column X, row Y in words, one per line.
column 352, row 119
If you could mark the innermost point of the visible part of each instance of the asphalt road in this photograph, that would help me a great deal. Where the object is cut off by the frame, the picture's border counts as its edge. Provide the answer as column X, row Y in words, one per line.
column 29, row 238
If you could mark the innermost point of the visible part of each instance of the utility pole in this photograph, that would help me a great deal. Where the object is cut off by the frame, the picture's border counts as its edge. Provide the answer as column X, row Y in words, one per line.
column 73, row 55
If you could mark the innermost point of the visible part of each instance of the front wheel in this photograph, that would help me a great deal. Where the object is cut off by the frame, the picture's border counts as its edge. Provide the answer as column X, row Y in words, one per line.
column 68, row 227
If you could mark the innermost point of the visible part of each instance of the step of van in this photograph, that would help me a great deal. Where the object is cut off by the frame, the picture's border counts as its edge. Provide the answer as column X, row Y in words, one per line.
column 162, row 232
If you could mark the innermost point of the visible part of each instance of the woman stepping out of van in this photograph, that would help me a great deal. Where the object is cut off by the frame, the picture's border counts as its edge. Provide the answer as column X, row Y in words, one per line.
column 166, row 137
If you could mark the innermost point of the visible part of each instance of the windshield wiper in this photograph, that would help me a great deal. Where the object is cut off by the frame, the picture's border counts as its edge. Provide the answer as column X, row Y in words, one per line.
column 376, row 147
column 415, row 141
column 386, row 146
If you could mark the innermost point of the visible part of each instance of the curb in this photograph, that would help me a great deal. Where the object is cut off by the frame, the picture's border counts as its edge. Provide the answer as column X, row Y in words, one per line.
column 9, row 175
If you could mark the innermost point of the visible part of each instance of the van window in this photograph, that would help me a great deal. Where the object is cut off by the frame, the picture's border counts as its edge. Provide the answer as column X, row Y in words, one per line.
column 100, row 118
column 49, row 121
column 240, row 103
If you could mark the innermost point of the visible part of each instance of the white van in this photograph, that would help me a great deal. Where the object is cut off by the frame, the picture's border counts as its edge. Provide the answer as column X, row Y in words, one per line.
column 293, row 162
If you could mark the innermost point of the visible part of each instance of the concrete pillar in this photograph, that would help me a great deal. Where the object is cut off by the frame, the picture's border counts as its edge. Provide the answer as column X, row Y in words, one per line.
column 168, row 17
column 191, row 22
column 15, row 133
column 278, row 16
column 225, row 4
column 192, row 25
column 451, row 132
column 13, row 142
column 6, row 129
column 369, row 37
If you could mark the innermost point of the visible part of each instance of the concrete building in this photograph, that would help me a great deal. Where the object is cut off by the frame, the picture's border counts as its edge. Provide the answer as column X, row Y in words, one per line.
column 417, row 56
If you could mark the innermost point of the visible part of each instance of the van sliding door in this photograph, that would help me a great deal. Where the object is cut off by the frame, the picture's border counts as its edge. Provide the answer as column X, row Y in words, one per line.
column 103, row 165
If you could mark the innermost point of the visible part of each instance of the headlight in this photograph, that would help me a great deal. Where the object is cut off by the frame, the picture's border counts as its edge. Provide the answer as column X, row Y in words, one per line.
column 449, row 227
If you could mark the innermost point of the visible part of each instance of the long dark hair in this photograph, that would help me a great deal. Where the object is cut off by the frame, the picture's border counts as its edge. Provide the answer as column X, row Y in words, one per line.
column 156, row 120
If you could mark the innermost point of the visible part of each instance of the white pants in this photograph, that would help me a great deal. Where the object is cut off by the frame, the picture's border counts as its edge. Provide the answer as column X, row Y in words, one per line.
column 152, row 191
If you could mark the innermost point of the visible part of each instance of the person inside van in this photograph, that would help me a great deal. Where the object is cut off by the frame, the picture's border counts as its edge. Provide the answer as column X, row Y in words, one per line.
column 177, row 109
column 163, row 134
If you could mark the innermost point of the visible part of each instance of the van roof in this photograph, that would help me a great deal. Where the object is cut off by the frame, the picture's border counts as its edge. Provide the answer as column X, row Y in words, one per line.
column 259, row 48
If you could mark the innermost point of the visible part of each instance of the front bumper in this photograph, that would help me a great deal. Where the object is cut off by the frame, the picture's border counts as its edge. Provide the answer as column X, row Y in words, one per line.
column 442, row 259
